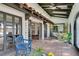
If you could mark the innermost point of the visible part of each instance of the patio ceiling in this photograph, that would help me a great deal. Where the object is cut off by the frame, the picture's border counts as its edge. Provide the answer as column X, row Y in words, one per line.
column 61, row 10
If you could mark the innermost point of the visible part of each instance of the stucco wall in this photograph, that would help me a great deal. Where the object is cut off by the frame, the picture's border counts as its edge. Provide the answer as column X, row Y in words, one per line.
column 71, row 19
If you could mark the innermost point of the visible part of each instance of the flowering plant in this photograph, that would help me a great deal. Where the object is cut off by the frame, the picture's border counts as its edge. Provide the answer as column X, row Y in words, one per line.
column 50, row 54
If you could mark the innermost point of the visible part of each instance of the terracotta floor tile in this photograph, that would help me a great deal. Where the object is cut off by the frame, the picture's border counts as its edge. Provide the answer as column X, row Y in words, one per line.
column 55, row 46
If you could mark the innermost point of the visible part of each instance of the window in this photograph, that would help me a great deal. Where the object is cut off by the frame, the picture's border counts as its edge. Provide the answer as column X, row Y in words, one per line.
column 55, row 29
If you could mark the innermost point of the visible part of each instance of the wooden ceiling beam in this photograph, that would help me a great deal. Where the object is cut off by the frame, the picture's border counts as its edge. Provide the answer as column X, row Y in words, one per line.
column 57, row 9
column 57, row 4
column 16, row 6
column 60, row 16
column 49, row 11
column 44, row 4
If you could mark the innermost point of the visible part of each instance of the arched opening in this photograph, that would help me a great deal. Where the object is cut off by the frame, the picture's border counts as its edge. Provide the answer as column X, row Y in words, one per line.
column 76, row 31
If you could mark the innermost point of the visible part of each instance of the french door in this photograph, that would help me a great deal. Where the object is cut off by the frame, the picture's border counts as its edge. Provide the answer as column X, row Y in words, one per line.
column 1, row 35
column 10, row 26
column 1, row 31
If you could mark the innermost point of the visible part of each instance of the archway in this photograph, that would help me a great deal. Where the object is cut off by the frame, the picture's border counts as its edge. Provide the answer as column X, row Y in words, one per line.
column 76, row 31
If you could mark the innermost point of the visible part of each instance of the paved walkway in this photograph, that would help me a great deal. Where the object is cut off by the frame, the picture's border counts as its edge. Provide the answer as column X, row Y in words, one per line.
column 57, row 47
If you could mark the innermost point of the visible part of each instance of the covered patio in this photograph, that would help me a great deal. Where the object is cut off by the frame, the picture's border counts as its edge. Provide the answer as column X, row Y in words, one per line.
column 45, row 24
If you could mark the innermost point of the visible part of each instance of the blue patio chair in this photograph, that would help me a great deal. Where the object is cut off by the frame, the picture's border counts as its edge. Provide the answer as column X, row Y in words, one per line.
column 22, row 45
column 29, row 45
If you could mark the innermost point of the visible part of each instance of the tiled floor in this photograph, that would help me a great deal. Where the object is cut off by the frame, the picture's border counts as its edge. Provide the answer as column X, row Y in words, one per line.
column 8, row 52
column 55, row 46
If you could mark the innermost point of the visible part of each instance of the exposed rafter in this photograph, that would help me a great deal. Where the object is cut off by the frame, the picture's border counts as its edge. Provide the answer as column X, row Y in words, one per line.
column 58, row 9
column 59, row 15
column 63, row 9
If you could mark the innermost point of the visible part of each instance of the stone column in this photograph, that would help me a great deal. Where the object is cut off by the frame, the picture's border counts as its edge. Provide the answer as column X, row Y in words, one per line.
column 36, row 28
column 48, row 30
column 26, row 29
column 42, row 31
